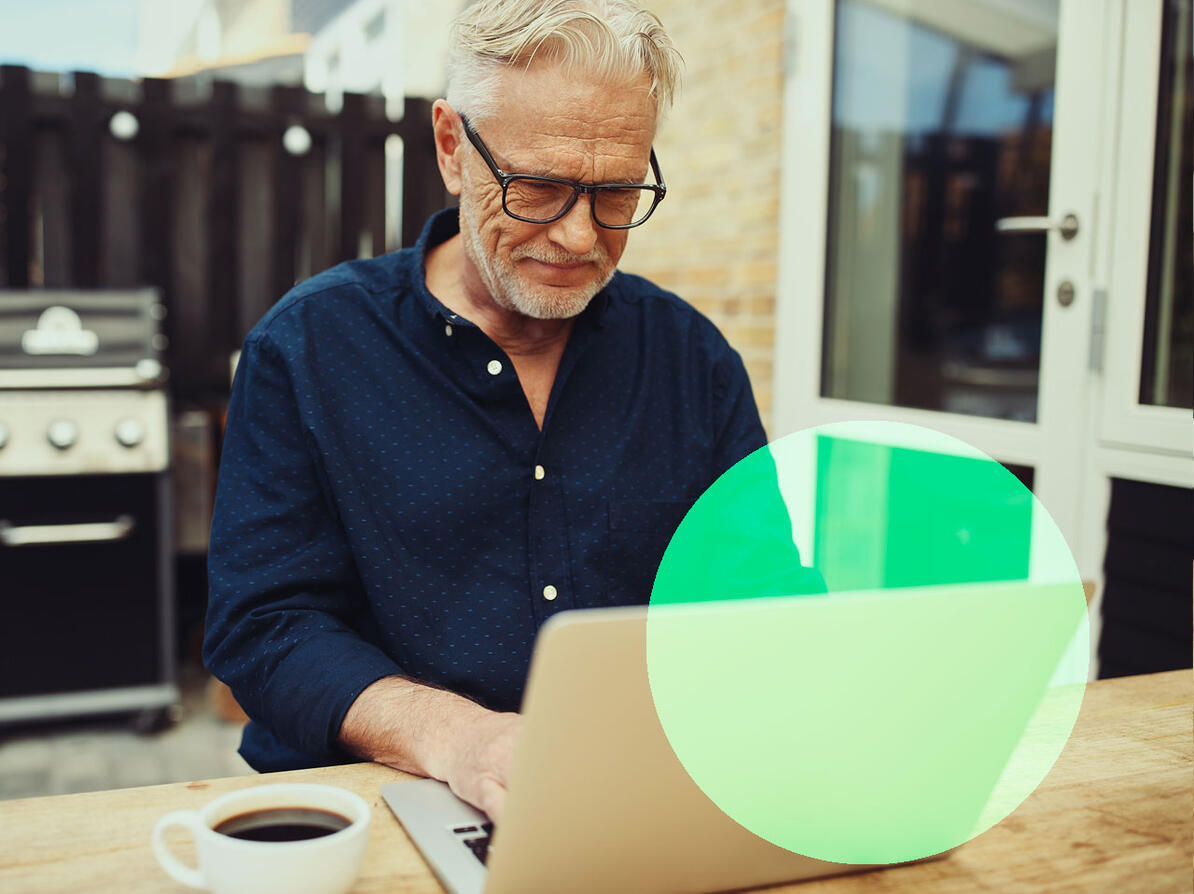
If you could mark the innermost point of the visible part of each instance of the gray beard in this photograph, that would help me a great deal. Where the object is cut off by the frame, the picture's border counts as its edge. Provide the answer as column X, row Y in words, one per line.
column 511, row 292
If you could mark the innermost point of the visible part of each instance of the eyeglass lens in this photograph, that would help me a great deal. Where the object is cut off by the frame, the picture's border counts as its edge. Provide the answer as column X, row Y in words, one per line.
column 541, row 200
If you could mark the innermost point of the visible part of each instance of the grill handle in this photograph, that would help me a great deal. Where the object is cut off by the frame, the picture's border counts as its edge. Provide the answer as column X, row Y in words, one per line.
column 40, row 535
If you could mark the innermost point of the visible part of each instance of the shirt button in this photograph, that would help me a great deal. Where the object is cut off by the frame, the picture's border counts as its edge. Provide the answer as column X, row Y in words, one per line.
column 448, row 329
column 495, row 367
column 539, row 473
column 549, row 593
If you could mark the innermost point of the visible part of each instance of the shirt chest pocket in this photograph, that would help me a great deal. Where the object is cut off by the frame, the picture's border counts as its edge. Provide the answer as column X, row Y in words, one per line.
column 639, row 532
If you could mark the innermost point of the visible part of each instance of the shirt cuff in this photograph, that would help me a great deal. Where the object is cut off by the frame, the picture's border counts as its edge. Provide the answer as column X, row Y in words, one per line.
column 318, row 681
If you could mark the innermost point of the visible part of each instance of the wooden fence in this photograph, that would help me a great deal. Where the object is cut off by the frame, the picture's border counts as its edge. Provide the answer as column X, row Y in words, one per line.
column 190, row 187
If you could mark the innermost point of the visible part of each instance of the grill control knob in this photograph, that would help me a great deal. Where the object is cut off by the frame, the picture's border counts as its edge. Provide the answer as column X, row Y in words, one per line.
column 3, row 435
column 129, row 432
column 62, row 434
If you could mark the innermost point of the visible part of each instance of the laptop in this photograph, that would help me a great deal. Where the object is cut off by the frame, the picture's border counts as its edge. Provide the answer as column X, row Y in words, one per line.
column 598, row 800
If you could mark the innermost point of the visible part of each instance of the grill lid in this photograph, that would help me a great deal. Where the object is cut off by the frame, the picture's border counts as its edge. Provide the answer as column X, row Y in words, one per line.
column 97, row 338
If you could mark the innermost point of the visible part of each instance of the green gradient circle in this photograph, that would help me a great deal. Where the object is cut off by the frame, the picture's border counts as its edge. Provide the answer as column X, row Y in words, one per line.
column 903, row 686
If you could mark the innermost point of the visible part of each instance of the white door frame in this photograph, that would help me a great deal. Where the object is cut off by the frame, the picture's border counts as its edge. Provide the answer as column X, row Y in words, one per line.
column 1129, row 440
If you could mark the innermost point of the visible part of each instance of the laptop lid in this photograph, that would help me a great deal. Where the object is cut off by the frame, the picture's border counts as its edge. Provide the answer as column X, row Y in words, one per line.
column 597, row 797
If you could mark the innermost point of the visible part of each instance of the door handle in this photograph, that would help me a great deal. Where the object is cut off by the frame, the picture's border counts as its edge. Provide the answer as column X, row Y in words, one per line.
column 1067, row 226
column 93, row 532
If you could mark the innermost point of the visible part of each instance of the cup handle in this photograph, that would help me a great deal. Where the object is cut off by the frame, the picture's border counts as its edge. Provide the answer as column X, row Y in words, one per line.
column 188, row 819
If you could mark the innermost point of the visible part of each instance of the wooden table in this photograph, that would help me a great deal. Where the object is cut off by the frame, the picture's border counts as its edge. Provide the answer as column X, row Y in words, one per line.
column 1114, row 815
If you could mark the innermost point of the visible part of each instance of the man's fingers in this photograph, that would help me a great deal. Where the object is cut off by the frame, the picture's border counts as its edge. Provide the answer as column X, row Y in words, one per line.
column 492, row 795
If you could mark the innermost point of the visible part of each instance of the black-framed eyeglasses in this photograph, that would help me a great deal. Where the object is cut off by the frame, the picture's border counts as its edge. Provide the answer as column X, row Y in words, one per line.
column 541, row 200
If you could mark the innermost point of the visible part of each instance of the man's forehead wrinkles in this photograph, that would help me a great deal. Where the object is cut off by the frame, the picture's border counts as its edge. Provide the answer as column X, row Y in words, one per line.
column 591, row 126
column 616, row 132
column 594, row 166
column 594, row 159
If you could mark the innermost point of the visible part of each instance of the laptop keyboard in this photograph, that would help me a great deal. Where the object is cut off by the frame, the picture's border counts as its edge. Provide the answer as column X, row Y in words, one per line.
column 475, row 838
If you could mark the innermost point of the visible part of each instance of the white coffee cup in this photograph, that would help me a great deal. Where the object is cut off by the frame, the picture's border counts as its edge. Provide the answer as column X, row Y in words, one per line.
column 227, row 865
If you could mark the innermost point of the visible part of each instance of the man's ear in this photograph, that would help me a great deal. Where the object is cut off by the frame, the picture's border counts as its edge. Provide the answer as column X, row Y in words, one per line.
column 445, row 124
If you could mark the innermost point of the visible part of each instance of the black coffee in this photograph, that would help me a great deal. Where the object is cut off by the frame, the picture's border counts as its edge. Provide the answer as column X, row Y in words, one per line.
column 283, row 824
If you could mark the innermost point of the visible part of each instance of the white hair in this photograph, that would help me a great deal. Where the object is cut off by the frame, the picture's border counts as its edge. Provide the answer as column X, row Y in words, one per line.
column 617, row 41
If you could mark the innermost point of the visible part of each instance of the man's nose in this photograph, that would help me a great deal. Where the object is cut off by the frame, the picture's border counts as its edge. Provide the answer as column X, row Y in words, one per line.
column 576, row 231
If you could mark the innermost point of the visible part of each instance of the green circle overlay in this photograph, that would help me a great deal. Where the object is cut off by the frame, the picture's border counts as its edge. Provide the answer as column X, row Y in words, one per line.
column 867, row 642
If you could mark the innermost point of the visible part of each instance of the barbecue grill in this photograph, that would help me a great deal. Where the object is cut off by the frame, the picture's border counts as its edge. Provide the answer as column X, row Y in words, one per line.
column 85, row 554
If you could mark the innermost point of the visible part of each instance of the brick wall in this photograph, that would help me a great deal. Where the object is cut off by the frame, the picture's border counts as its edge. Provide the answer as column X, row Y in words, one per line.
column 714, row 241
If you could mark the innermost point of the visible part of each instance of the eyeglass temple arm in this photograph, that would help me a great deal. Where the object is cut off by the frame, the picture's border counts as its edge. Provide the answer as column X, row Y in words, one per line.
column 479, row 145
column 658, row 173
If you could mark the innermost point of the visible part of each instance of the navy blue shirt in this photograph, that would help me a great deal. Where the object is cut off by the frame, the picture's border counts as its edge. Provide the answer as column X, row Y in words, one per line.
column 388, row 505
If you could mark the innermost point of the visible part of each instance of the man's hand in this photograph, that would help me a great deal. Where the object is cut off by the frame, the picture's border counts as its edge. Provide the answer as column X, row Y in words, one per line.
column 436, row 733
column 479, row 766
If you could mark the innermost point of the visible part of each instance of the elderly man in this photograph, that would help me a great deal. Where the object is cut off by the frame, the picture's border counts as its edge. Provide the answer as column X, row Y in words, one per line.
column 431, row 452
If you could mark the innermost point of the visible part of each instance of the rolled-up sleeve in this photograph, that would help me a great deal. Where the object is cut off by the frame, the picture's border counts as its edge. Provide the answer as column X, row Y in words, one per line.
column 287, row 618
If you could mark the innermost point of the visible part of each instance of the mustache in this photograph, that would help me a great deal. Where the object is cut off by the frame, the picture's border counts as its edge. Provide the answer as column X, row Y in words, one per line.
column 552, row 255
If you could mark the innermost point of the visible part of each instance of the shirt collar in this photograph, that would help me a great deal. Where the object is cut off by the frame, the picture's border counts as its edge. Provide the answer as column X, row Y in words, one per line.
column 441, row 227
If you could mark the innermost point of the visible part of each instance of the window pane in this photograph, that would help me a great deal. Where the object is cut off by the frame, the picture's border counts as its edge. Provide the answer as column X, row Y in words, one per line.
column 1167, row 369
column 942, row 125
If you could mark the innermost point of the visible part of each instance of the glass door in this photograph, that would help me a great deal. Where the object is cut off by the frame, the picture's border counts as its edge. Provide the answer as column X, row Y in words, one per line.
column 940, row 202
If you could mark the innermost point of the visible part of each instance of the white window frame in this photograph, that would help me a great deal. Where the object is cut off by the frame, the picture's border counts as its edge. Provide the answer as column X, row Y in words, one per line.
column 1126, row 424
